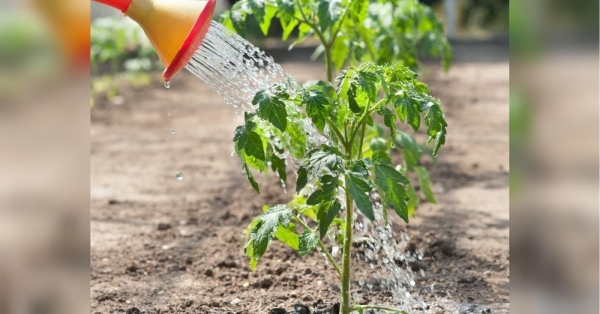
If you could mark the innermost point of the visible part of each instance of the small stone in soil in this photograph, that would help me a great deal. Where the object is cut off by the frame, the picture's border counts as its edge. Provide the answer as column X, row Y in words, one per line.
column 301, row 309
column 266, row 283
column 467, row 280
column 277, row 310
column 418, row 265
column 228, row 263
column 163, row 226
column 131, row 267
column 134, row 310
column 209, row 272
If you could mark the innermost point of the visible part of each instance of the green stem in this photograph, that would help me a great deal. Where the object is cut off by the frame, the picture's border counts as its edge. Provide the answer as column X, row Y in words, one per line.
column 346, row 256
column 328, row 63
column 337, row 31
column 322, row 246
column 362, row 139
column 377, row 307
column 337, row 132
column 358, row 126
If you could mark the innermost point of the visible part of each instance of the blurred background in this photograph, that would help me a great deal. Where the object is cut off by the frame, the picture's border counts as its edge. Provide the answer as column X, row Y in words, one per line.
column 52, row 70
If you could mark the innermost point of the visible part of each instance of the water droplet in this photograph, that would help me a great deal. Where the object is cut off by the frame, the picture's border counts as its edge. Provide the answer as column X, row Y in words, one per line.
column 168, row 114
column 179, row 176
column 173, row 132
column 167, row 84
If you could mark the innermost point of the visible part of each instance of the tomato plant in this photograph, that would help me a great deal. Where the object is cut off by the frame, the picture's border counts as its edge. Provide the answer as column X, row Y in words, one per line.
column 351, row 164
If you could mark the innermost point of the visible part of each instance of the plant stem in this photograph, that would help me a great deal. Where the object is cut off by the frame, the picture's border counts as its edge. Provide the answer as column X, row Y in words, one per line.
column 328, row 65
column 337, row 132
column 358, row 127
column 362, row 139
column 345, row 286
column 322, row 246
column 377, row 307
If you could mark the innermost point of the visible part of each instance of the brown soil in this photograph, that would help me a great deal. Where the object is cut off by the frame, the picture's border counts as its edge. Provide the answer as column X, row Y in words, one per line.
column 167, row 246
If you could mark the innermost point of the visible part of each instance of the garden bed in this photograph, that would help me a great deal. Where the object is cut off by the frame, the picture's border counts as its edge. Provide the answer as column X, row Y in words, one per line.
column 167, row 246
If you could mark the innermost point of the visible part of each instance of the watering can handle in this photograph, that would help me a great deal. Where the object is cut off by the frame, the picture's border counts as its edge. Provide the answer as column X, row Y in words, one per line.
column 121, row 5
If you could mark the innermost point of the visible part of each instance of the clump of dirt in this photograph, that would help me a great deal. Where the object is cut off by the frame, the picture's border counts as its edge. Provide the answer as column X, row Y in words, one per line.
column 318, row 307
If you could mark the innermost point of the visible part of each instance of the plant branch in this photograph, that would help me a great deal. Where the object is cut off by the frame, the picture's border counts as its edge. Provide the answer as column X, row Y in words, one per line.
column 377, row 307
column 362, row 139
column 321, row 36
column 336, row 32
column 322, row 246
column 345, row 284
column 358, row 126
column 337, row 132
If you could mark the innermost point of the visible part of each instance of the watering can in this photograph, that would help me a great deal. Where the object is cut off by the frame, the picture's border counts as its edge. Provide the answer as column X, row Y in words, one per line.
column 175, row 28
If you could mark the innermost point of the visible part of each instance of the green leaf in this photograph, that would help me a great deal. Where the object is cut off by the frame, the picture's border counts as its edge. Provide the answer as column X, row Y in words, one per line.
column 302, row 179
column 323, row 160
column 296, row 139
column 271, row 108
column 359, row 188
column 238, row 20
column 288, row 28
column 257, row 8
column 413, row 200
column 367, row 80
column 328, row 12
column 253, row 145
column 408, row 110
column 246, row 169
column 278, row 165
column 436, row 127
column 380, row 157
column 352, row 100
column 425, row 183
column 308, row 242
column 288, row 237
column 327, row 212
column 265, row 228
column 411, row 151
column 316, row 106
column 249, row 144
column 304, row 30
column 286, row 7
column 340, row 51
column 326, row 193
column 270, row 12
column 391, row 188
column 389, row 119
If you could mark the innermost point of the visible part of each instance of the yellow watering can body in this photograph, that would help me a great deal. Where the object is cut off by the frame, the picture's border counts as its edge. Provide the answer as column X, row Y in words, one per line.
column 175, row 27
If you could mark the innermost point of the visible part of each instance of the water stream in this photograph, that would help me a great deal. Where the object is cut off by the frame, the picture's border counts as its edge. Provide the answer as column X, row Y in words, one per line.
column 236, row 70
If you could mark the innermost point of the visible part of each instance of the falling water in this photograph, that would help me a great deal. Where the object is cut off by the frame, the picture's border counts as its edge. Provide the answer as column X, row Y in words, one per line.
column 237, row 70
column 234, row 67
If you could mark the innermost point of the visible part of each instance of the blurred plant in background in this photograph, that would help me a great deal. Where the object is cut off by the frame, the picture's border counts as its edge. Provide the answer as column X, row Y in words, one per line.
column 381, row 31
column 119, row 51
column 478, row 16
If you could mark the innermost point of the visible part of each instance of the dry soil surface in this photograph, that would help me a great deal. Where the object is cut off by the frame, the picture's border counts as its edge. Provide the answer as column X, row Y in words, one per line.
column 163, row 245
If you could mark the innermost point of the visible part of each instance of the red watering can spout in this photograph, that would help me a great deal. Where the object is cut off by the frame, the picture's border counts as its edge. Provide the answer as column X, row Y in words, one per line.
column 121, row 5
column 175, row 28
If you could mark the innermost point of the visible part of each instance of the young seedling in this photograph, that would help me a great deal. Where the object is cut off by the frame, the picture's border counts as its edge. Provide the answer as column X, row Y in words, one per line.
column 352, row 163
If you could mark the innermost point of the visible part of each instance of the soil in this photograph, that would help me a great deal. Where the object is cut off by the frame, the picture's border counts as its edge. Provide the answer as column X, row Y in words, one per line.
column 162, row 245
